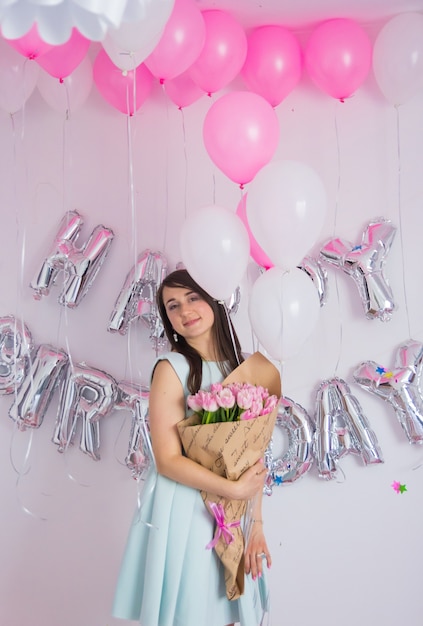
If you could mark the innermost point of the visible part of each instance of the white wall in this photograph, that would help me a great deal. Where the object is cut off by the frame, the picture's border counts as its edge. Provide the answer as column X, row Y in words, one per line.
column 345, row 551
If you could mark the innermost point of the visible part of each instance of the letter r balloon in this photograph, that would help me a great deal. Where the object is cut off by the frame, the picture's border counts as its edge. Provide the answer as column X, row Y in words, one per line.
column 87, row 395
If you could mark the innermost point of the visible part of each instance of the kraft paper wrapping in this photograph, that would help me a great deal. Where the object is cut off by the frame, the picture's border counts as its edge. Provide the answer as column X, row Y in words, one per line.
column 228, row 449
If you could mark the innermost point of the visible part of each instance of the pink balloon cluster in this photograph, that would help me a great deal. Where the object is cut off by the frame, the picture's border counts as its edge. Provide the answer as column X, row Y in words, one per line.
column 67, row 77
column 193, row 53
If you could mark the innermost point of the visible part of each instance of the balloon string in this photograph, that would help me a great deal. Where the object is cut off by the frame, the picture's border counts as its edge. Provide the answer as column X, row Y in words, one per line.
column 400, row 221
column 63, row 321
column 281, row 364
column 66, row 457
column 115, row 453
column 230, row 330
column 186, row 161
column 335, row 220
column 338, row 467
column 134, row 247
column 134, row 228
column 23, row 472
column 66, row 157
column 20, row 245
column 281, row 308
column 140, row 505
column 166, row 173
column 68, row 372
column 134, row 223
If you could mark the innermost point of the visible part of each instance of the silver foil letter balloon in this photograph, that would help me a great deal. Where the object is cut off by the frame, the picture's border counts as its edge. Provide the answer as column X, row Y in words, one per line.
column 137, row 298
column 35, row 393
column 298, row 459
column 80, row 266
column 401, row 386
column 341, row 428
column 140, row 453
column 87, row 395
column 365, row 264
column 15, row 353
column 318, row 274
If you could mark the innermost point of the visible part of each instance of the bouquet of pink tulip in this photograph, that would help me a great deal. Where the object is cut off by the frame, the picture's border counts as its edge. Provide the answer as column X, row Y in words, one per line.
column 228, row 432
column 232, row 403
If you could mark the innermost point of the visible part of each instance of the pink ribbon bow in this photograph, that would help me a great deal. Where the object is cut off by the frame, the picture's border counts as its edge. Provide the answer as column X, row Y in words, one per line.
column 222, row 528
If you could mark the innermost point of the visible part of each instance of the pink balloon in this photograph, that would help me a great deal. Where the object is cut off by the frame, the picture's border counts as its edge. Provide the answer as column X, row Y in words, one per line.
column 223, row 54
column 338, row 57
column 69, row 94
column 182, row 90
column 30, row 45
column 124, row 90
column 274, row 63
column 181, row 42
column 18, row 78
column 257, row 253
column 241, row 134
column 63, row 59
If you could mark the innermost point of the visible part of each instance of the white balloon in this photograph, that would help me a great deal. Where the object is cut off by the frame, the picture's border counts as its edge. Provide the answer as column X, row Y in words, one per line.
column 398, row 58
column 131, row 43
column 144, row 33
column 215, row 250
column 284, row 309
column 70, row 93
column 123, row 58
column 286, row 208
column 18, row 78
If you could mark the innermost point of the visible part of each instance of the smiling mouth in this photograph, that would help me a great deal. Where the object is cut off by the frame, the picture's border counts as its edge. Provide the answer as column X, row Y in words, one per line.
column 191, row 322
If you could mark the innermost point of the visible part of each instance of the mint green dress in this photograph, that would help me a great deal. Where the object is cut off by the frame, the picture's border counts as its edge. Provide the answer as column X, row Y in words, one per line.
column 167, row 576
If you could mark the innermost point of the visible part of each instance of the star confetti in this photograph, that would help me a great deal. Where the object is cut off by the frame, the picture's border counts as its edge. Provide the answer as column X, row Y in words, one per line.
column 398, row 487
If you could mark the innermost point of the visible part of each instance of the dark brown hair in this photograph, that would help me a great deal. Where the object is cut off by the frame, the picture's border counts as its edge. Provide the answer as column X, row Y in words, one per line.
column 226, row 356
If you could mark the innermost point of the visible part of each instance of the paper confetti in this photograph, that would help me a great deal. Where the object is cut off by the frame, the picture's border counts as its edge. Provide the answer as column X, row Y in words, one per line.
column 398, row 487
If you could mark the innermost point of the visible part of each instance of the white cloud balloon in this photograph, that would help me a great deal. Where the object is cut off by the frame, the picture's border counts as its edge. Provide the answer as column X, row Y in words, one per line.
column 56, row 18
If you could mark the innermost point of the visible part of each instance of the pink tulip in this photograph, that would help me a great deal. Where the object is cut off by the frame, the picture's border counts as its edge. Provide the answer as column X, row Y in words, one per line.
column 225, row 398
column 245, row 398
column 209, row 402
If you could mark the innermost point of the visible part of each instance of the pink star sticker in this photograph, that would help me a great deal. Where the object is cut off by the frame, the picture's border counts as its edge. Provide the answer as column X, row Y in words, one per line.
column 396, row 486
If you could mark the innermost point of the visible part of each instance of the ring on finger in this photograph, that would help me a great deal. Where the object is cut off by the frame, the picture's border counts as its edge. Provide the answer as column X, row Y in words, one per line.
column 262, row 554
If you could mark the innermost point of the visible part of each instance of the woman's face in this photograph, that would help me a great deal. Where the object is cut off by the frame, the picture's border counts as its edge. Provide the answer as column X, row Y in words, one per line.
column 190, row 315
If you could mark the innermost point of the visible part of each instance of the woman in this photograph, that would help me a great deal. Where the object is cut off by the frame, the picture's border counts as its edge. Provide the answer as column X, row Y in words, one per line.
column 168, row 578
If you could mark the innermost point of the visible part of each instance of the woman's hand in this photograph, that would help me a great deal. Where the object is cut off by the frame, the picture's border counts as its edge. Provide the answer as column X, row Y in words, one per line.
column 257, row 551
column 250, row 482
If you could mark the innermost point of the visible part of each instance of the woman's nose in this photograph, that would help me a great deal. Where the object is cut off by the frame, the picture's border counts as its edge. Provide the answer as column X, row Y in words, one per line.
column 185, row 307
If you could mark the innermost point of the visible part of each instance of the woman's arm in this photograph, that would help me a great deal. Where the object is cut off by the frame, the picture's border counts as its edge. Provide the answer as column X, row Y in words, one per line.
column 256, row 550
column 166, row 409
